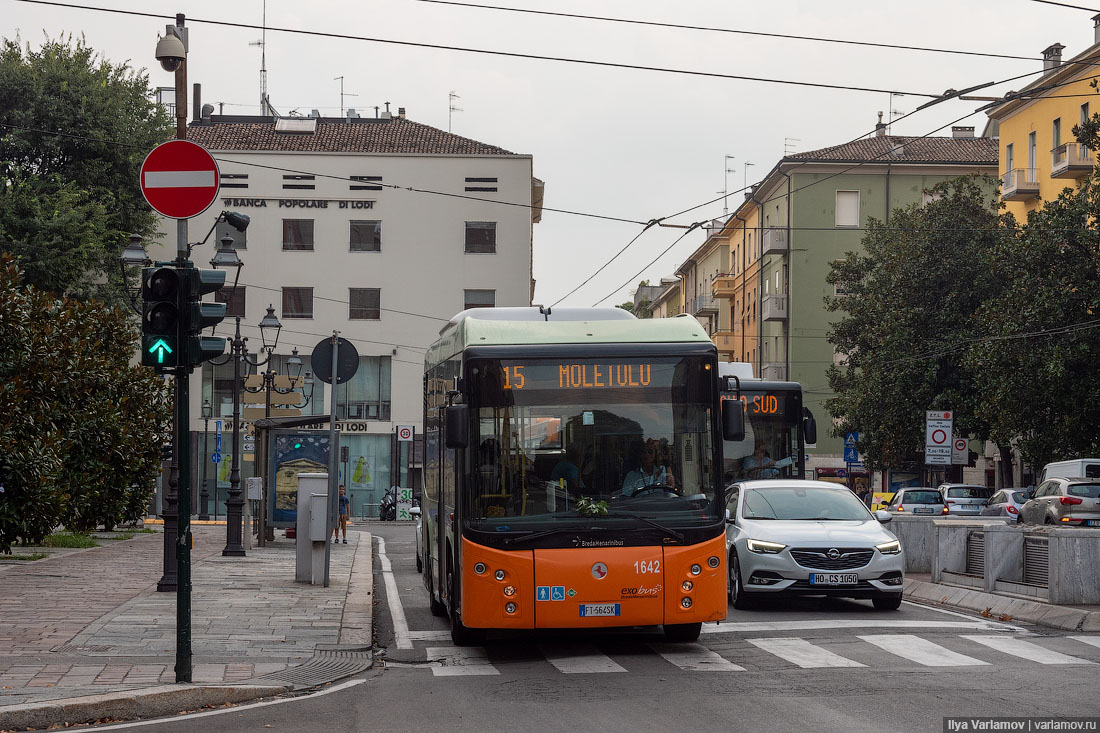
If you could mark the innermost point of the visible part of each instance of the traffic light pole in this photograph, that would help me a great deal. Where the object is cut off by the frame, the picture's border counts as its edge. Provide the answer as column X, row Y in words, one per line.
column 183, row 458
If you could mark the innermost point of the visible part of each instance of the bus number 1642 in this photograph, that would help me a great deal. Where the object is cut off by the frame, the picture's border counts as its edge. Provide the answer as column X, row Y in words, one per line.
column 646, row 567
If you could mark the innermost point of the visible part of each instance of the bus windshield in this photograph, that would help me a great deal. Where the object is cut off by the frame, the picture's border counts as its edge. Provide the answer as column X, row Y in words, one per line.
column 577, row 442
column 773, row 418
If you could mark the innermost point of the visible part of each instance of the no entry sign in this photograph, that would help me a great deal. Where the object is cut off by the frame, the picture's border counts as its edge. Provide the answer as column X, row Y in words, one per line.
column 179, row 179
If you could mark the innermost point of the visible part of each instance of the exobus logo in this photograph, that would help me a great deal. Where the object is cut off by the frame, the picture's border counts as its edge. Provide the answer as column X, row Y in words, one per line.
column 599, row 571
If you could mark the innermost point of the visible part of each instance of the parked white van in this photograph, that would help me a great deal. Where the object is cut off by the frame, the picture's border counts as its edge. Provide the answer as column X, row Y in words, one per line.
column 1077, row 468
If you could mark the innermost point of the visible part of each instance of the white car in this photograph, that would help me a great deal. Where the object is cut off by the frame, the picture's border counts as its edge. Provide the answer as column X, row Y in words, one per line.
column 809, row 538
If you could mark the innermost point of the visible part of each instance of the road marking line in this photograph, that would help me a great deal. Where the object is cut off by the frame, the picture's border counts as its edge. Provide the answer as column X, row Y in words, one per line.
column 579, row 659
column 235, row 708
column 451, row 661
column 179, row 179
column 430, row 635
column 397, row 611
column 921, row 651
column 1025, row 650
column 695, row 658
column 727, row 627
column 1092, row 640
column 803, row 653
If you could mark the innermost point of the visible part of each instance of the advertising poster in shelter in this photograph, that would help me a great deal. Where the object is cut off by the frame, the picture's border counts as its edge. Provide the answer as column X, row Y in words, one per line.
column 292, row 453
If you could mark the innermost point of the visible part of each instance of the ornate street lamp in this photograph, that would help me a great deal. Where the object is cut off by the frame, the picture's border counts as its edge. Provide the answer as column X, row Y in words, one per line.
column 204, row 494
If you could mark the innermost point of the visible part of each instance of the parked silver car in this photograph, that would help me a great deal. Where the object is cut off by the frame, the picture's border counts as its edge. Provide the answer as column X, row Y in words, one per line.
column 965, row 498
column 917, row 500
column 813, row 538
column 415, row 512
column 1006, row 503
column 1065, row 501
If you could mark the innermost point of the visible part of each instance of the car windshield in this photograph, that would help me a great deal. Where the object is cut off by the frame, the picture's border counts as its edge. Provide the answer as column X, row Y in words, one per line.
column 969, row 492
column 799, row 503
column 921, row 497
column 1089, row 491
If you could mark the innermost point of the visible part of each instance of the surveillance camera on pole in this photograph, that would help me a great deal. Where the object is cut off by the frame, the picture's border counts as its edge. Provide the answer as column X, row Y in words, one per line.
column 172, row 48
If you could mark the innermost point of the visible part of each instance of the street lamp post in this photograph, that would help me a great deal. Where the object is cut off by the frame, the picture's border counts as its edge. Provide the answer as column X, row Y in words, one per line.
column 234, row 505
column 204, row 494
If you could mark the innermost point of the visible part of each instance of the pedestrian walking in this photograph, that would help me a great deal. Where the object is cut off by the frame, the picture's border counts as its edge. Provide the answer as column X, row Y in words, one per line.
column 345, row 512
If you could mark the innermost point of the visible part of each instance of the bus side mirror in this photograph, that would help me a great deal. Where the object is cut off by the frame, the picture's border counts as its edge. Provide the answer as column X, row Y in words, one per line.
column 733, row 420
column 458, row 426
column 809, row 430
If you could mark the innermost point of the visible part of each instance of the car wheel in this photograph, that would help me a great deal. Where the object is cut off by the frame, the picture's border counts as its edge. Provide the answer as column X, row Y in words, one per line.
column 734, row 587
column 887, row 603
column 419, row 564
column 682, row 632
column 438, row 608
column 1049, row 520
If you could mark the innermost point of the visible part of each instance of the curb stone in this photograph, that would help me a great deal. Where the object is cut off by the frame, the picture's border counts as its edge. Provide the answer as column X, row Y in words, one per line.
column 1020, row 609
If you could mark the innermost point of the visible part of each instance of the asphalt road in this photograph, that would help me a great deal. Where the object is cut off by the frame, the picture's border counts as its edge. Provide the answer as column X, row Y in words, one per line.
column 805, row 664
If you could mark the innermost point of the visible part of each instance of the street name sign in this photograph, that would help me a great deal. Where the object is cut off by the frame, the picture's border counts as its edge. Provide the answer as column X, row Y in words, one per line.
column 179, row 179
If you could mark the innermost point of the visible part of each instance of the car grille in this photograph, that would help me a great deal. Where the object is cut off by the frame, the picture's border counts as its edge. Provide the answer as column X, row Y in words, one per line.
column 818, row 559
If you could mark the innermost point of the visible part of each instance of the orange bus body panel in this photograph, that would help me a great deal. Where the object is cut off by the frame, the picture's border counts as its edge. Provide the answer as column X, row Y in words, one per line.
column 646, row 583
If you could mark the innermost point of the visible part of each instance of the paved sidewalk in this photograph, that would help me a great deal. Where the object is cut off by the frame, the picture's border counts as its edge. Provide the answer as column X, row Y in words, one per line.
column 90, row 622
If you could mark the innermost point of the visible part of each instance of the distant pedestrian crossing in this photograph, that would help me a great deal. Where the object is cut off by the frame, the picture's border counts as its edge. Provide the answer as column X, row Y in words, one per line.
column 990, row 651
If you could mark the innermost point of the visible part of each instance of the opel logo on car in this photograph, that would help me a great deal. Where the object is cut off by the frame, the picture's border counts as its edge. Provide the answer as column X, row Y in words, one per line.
column 833, row 553
column 599, row 571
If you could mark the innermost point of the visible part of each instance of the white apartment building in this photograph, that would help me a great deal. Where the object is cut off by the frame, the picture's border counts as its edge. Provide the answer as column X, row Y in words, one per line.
column 379, row 228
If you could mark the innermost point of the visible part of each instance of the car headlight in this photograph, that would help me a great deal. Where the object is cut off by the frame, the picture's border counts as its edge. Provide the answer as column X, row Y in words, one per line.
column 889, row 548
column 765, row 548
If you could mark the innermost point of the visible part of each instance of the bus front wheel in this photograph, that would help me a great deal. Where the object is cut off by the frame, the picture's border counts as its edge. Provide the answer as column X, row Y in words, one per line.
column 682, row 632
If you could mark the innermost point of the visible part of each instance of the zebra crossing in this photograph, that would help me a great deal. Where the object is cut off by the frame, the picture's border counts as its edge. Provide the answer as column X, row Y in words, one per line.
column 977, row 651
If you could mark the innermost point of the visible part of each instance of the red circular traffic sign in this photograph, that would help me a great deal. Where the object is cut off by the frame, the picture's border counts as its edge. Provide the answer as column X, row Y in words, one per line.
column 179, row 179
column 404, row 433
column 939, row 437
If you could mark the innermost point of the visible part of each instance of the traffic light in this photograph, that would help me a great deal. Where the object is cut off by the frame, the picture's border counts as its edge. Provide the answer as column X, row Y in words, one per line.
column 200, row 315
column 160, row 291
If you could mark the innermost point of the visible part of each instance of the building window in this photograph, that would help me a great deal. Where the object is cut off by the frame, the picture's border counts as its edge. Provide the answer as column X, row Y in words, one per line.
column 479, row 298
column 298, row 182
column 240, row 239
column 1056, row 132
column 298, row 234
column 847, row 208
column 479, row 184
column 297, row 302
column 233, row 299
column 366, row 183
column 1031, row 150
column 1008, row 158
column 366, row 236
column 1084, row 113
column 364, row 304
column 233, row 180
column 366, row 396
column 481, row 237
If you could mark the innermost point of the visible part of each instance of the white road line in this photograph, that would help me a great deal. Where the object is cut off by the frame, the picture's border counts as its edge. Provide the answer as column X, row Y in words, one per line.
column 397, row 611
column 695, row 658
column 726, row 627
column 579, row 659
column 921, row 651
column 430, row 635
column 1092, row 640
column 803, row 653
column 1025, row 650
column 452, row 661
column 179, row 179
column 233, row 709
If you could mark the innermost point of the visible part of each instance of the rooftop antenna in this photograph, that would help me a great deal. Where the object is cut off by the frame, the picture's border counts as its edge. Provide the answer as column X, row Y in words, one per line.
column 343, row 93
column 726, row 184
column 451, row 108
column 745, row 183
column 789, row 145
column 265, row 106
column 893, row 111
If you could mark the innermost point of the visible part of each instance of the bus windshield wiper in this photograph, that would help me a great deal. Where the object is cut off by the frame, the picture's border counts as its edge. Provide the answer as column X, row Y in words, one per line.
column 537, row 535
column 678, row 535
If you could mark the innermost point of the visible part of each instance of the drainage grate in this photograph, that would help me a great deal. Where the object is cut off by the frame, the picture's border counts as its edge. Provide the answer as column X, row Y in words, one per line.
column 1036, row 560
column 324, row 666
column 975, row 554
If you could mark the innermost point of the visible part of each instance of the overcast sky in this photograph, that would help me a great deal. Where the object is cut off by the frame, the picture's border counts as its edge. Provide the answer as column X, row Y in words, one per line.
column 615, row 142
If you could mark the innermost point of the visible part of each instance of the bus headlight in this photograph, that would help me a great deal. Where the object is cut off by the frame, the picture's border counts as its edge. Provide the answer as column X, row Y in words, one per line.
column 499, row 575
column 685, row 602
column 510, row 608
column 509, row 590
column 696, row 569
column 687, row 585
column 713, row 561
column 480, row 568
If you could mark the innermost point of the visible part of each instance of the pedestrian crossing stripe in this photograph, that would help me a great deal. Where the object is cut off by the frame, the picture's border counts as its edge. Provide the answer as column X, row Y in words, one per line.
column 581, row 658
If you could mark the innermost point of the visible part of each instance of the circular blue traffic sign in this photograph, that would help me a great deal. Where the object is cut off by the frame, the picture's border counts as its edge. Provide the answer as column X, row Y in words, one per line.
column 215, row 457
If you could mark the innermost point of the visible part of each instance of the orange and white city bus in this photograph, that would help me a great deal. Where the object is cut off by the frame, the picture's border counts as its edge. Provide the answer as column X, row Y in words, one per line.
column 572, row 472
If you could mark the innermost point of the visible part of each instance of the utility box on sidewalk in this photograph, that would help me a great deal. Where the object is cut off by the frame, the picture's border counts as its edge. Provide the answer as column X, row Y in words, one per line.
column 312, row 527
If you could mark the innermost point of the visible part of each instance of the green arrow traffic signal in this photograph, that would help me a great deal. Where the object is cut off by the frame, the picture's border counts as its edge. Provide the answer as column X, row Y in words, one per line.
column 159, row 349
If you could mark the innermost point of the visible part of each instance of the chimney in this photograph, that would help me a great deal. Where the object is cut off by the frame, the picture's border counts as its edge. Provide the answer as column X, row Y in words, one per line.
column 1096, row 28
column 196, row 105
column 959, row 131
column 386, row 115
column 880, row 127
column 401, row 112
column 1052, row 57
column 207, row 111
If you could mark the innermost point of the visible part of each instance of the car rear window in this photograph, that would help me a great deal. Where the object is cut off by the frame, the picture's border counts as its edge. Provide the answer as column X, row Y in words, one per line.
column 969, row 492
column 921, row 497
column 1019, row 497
column 1089, row 491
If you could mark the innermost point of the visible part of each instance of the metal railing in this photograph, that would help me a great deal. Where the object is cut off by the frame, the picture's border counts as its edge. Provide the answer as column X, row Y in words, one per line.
column 1020, row 182
column 1070, row 157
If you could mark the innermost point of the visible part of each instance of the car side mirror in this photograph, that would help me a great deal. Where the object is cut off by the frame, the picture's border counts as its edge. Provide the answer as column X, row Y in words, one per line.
column 728, row 519
column 414, row 511
column 883, row 516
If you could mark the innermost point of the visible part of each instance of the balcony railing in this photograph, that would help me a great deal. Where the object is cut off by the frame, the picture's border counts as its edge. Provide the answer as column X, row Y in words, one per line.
column 1020, row 184
column 1072, row 160
column 774, row 371
column 723, row 286
column 774, row 241
column 774, row 308
column 702, row 304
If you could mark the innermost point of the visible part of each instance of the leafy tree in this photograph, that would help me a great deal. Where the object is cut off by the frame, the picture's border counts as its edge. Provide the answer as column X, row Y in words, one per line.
column 74, row 130
column 80, row 427
column 909, row 302
column 1038, row 370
